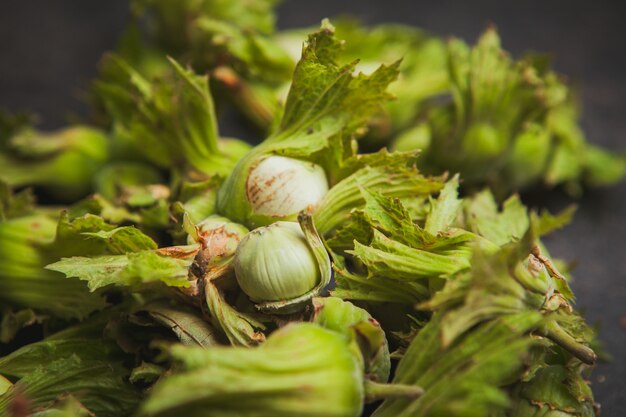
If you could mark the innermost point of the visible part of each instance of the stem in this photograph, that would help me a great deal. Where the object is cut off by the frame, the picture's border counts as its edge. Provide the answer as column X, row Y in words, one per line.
column 375, row 391
column 554, row 332
column 253, row 105
column 239, row 328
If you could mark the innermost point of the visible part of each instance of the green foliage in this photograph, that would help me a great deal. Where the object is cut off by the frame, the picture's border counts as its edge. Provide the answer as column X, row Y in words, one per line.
column 170, row 120
column 77, row 362
column 466, row 378
column 125, row 270
column 63, row 162
column 509, row 124
column 301, row 369
column 363, row 330
column 458, row 285
column 26, row 236
column 395, row 254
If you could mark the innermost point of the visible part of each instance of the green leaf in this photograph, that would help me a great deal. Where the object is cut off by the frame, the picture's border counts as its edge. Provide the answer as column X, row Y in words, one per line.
column 546, row 223
column 400, row 262
column 444, row 210
column 99, row 206
column 352, row 286
column 358, row 229
column 488, row 294
column 529, row 156
column 258, row 15
column 26, row 246
column 514, row 280
column 302, row 369
column 395, row 181
column 482, row 217
column 194, row 115
column 564, row 166
column 70, row 238
column 83, row 338
column 113, row 180
column 326, row 98
column 90, row 235
column 465, row 379
column 76, row 361
column 170, row 120
column 64, row 162
column 189, row 327
column 392, row 218
column 558, row 389
column 130, row 270
column 99, row 384
column 382, row 158
column 98, row 271
column 423, row 67
column 124, row 240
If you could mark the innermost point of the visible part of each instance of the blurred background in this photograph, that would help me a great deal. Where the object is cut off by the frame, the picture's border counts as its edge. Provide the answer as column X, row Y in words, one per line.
column 50, row 49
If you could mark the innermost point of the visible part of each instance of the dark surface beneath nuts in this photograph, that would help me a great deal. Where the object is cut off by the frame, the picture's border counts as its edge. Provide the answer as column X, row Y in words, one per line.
column 49, row 51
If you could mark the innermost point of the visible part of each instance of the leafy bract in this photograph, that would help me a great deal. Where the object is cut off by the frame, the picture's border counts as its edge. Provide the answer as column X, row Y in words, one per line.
column 240, row 329
column 25, row 248
column 508, row 282
column 507, row 124
column 63, row 162
column 392, row 179
column 188, row 326
column 464, row 379
column 423, row 68
column 326, row 97
column 98, row 384
column 363, row 330
column 170, row 120
column 398, row 260
column 230, row 40
column 500, row 227
column 557, row 389
column 75, row 361
column 109, row 255
column 445, row 209
column 127, row 270
column 218, row 32
column 302, row 369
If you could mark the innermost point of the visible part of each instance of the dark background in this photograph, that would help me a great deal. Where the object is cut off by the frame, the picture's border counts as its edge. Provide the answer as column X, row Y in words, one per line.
column 49, row 50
